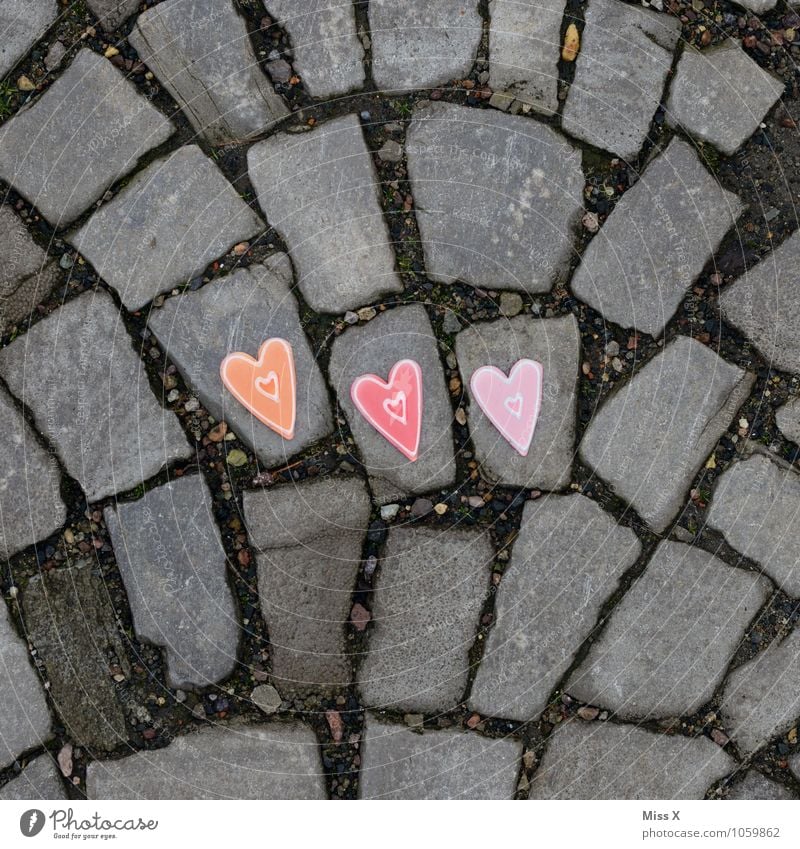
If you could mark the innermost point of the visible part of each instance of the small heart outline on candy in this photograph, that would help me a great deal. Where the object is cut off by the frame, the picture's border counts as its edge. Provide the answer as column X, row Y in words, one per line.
column 366, row 391
column 514, row 416
column 238, row 374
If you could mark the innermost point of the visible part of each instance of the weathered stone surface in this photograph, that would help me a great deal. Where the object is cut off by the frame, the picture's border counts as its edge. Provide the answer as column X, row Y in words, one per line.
column 30, row 500
column 566, row 562
column 328, row 55
column 89, row 394
column 650, row 438
column 762, row 696
column 93, row 112
column 165, row 226
column 238, row 313
column 787, row 418
column 755, row 786
column 555, row 343
column 605, row 761
column 758, row 6
column 655, row 243
column 756, row 505
column 39, row 780
column 112, row 13
column 497, row 197
column 427, row 600
column 27, row 274
column 308, row 539
column 22, row 22
column 524, row 48
column 319, row 190
column 73, row 630
column 24, row 718
column 763, row 304
column 268, row 761
column 173, row 565
column 720, row 95
column 620, row 73
column 401, row 764
column 421, row 45
column 201, row 52
column 669, row 641
column 404, row 332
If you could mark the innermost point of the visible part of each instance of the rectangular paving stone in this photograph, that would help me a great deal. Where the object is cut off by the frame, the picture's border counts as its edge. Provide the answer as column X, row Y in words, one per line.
column 97, row 115
column 78, row 373
column 373, row 348
column 497, row 197
column 417, row 44
column 428, row 597
column 566, row 562
column 200, row 50
column 73, row 629
column 39, row 780
column 269, row 761
column 762, row 697
column 112, row 13
column 165, row 226
column 308, row 539
column 24, row 717
column 755, row 505
column 22, row 22
column 655, row 243
column 555, row 343
column 763, row 304
column 524, row 49
column 669, row 641
column 30, row 485
column 755, row 786
column 319, row 190
column 650, row 438
column 328, row 54
column 607, row 761
column 237, row 313
column 625, row 56
column 174, row 568
column 402, row 764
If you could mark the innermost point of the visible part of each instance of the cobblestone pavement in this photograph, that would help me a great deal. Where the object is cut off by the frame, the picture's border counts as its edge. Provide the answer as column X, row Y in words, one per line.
column 196, row 607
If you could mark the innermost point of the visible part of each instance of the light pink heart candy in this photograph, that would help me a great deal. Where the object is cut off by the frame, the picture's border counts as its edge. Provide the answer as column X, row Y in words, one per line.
column 511, row 402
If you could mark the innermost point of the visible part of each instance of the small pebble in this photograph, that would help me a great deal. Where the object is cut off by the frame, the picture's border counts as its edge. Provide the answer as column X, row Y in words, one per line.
column 266, row 698
column 391, row 151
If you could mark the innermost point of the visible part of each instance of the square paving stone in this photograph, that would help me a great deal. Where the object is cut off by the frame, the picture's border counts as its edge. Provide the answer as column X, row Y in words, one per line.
column 24, row 717
column 78, row 373
column 524, row 49
column 755, row 505
column 762, row 697
column 720, row 95
column 650, row 438
column 606, row 761
column 763, row 304
column 200, row 50
column 84, row 133
column 328, row 54
column 73, row 629
column 238, row 313
column 270, row 761
column 625, row 56
column 165, row 226
column 756, row 787
column 404, row 332
column 112, row 13
column 497, row 197
column 30, row 485
column 39, row 780
column 22, row 22
column 418, row 44
column 655, row 243
column 428, row 597
column 555, row 343
column 308, row 539
column 174, row 568
column 319, row 190
column 402, row 764
column 566, row 562
column 787, row 417
column 669, row 641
